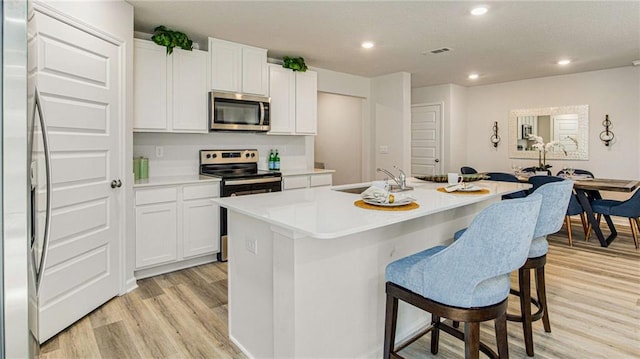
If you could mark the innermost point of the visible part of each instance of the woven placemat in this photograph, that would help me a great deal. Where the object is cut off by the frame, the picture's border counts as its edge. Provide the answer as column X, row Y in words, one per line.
column 482, row 191
column 406, row 207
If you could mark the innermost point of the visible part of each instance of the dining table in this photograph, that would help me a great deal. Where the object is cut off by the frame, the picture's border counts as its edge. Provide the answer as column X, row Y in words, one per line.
column 588, row 189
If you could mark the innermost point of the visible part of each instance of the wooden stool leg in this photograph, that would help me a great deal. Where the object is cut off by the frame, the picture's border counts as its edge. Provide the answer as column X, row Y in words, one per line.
column 472, row 340
column 634, row 232
column 542, row 298
column 638, row 228
column 524, row 279
column 435, row 333
column 501, row 336
column 391, row 317
column 567, row 220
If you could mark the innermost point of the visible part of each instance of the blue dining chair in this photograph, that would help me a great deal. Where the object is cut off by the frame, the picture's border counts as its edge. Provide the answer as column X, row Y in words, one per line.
column 506, row 177
column 532, row 169
column 577, row 172
column 629, row 209
column 473, row 290
column 555, row 200
column 467, row 170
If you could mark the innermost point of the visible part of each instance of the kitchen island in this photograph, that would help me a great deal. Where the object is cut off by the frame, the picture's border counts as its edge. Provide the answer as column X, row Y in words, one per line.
column 306, row 267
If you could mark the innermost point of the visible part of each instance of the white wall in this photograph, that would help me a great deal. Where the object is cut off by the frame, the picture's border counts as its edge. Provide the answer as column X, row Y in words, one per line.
column 181, row 151
column 339, row 141
column 470, row 113
column 391, row 113
column 615, row 92
column 357, row 86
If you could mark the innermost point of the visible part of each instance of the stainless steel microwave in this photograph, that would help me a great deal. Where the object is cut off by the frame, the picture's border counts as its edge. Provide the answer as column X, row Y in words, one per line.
column 236, row 112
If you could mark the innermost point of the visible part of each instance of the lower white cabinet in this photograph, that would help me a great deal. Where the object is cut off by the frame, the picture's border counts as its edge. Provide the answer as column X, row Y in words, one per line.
column 176, row 225
column 306, row 181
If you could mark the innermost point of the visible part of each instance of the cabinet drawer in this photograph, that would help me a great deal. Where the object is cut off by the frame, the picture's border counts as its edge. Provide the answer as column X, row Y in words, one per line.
column 295, row 182
column 156, row 195
column 201, row 191
column 321, row 180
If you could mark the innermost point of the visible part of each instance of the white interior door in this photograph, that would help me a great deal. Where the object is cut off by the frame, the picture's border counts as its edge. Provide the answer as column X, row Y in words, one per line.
column 79, row 78
column 425, row 140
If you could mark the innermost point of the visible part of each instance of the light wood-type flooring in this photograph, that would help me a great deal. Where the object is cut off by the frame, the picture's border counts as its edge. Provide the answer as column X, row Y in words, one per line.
column 593, row 294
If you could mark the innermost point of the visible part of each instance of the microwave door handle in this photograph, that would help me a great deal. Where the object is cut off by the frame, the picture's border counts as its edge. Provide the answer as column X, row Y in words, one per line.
column 47, row 164
column 261, row 113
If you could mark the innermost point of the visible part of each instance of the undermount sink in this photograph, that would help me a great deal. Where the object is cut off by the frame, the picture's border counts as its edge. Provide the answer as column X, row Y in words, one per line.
column 359, row 190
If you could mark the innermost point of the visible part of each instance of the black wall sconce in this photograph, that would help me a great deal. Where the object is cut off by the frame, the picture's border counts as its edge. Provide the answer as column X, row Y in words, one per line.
column 607, row 135
column 495, row 139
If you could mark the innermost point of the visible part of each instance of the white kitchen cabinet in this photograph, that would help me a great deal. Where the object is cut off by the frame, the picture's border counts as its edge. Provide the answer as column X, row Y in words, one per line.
column 294, row 101
column 156, row 234
column 306, row 181
column 170, row 91
column 176, row 227
column 150, row 86
column 238, row 68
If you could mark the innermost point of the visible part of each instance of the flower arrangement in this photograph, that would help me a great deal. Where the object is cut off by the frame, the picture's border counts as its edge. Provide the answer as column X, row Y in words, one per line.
column 542, row 151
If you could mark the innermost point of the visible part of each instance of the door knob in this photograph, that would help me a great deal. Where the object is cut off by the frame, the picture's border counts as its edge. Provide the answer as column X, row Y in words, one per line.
column 115, row 183
column 437, row 160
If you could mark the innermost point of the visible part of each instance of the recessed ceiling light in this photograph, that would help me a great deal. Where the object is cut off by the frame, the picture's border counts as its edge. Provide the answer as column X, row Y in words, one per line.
column 473, row 76
column 564, row 62
column 480, row 10
column 367, row 44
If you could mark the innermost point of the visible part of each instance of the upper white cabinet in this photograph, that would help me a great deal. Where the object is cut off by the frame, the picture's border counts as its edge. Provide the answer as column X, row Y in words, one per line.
column 238, row 68
column 170, row 91
column 294, row 101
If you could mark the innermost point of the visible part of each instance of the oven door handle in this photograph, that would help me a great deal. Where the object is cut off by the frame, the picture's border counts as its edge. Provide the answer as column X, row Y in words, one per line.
column 253, row 180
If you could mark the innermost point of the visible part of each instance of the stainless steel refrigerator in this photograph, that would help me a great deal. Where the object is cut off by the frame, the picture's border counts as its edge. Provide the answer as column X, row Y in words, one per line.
column 25, row 210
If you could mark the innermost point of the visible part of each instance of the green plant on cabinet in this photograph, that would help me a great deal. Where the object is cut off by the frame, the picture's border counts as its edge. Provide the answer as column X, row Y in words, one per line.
column 170, row 39
column 294, row 63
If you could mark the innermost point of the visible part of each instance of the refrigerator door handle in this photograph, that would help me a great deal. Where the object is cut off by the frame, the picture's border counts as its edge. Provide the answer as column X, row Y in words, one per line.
column 47, row 164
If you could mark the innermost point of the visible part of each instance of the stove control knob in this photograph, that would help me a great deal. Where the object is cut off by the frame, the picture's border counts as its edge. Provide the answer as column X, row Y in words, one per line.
column 246, row 155
column 214, row 155
column 208, row 156
column 253, row 155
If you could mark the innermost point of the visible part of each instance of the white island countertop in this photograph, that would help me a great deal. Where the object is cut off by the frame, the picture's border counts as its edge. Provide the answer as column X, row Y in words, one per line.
column 325, row 213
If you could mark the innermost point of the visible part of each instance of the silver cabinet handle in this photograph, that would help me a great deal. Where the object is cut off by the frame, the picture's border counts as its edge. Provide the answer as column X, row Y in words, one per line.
column 47, row 164
column 437, row 160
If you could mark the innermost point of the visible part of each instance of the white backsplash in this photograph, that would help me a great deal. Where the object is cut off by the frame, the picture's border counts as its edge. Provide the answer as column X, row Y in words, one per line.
column 180, row 151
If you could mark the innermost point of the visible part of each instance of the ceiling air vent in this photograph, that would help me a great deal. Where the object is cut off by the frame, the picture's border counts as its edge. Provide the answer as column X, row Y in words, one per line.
column 440, row 50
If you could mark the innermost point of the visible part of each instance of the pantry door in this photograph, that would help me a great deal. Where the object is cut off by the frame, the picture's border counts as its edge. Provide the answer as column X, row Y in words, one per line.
column 426, row 123
column 78, row 75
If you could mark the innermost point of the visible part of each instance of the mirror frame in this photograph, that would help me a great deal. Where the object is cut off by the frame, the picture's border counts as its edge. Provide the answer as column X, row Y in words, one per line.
column 583, row 132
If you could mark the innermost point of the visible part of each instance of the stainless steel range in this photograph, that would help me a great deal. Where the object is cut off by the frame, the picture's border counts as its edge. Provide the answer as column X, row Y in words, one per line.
column 240, row 176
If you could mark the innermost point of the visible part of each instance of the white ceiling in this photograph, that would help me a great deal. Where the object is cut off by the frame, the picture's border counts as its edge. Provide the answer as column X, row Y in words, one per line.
column 515, row 40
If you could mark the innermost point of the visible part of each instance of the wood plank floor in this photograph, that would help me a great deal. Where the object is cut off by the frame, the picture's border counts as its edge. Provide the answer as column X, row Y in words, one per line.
column 593, row 294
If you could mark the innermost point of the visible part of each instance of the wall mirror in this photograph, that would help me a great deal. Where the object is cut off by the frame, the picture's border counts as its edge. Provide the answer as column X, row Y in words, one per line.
column 568, row 125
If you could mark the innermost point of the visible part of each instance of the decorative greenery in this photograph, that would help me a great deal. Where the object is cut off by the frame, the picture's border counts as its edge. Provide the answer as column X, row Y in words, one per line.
column 170, row 39
column 294, row 63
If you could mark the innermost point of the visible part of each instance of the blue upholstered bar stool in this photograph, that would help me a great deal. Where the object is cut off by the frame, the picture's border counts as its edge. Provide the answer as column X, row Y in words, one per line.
column 473, row 290
column 555, row 199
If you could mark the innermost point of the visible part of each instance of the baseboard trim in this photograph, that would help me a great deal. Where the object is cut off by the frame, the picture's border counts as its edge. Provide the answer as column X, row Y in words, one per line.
column 172, row 267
